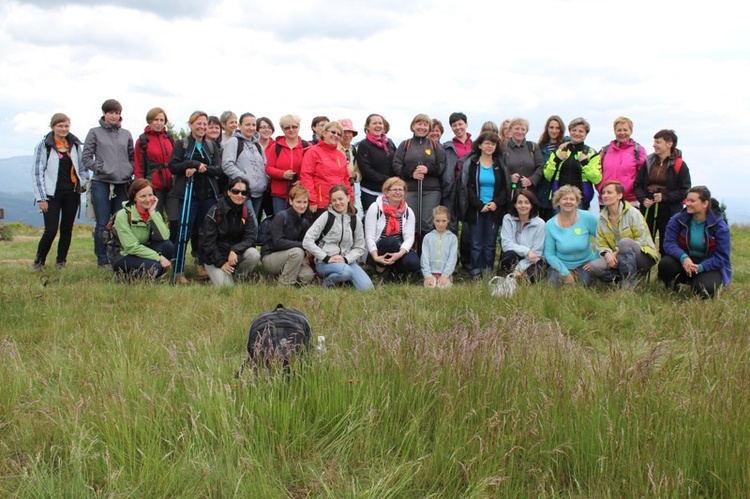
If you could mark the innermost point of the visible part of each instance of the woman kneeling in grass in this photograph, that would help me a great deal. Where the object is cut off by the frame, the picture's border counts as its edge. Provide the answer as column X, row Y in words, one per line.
column 140, row 246
column 337, row 241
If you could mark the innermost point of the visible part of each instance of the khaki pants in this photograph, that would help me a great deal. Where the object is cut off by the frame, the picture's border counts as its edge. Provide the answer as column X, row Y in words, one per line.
column 290, row 265
column 246, row 263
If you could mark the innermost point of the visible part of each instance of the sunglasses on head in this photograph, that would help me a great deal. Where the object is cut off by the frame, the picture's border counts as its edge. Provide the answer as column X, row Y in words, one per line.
column 239, row 191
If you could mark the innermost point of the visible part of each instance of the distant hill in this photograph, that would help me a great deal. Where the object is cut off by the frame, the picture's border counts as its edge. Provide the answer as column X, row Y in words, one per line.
column 16, row 174
column 20, row 207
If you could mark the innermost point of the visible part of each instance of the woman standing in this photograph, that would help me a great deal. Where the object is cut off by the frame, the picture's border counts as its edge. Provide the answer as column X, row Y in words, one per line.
column 421, row 163
column 552, row 137
column 213, row 132
column 522, row 238
column 375, row 159
column 488, row 189
column 153, row 149
column 337, row 249
column 243, row 156
column 621, row 159
column 266, row 131
column 567, row 240
column 229, row 124
column 284, row 161
column 698, row 246
column 228, row 235
column 58, row 180
column 523, row 159
column 389, row 230
column 574, row 163
column 324, row 166
column 141, row 246
column 623, row 239
column 283, row 254
column 108, row 153
column 197, row 159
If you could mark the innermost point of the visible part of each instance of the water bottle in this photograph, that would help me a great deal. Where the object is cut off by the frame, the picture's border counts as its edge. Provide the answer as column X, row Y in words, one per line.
column 321, row 348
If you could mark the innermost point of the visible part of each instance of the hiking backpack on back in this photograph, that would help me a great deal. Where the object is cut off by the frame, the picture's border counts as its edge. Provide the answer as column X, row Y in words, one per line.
column 278, row 334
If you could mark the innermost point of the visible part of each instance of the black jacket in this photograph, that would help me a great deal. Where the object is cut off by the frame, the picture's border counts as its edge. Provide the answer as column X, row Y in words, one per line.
column 287, row 230
column 375, row 164
column 227, row 227
column 182, row 153
column 500, row 196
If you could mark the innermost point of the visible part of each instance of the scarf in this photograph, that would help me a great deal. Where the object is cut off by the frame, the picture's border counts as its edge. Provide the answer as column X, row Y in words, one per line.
column 381, row 141
column 62, row 144
column 144, row 214
column 393, row 217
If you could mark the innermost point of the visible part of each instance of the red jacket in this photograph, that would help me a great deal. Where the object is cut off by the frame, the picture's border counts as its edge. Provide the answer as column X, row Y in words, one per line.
column 323, row 167
column 158, row 153
column 288, row 159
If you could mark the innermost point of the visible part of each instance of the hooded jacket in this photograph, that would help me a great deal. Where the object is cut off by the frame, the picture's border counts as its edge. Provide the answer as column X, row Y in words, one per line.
column 323, row 167
column 716, row 237
column 47, row 162
column 134, row 234
column 108, row 153
column 338, row 241
column 530, row 239
column 250, row 164
column 621, row 162
column 155, row 165
column 225, row 229
column 631, row 225
column 288, row 158
column 678, row 183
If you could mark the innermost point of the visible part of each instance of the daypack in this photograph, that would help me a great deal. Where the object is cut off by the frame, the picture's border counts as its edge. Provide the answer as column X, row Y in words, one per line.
column 110, row 239
column 241, row 147
column 278, row 334
column 161, row 168
column 264, row 229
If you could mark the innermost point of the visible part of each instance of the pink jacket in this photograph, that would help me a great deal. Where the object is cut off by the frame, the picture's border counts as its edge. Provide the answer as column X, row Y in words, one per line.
column 324, row 166
column 621, row 162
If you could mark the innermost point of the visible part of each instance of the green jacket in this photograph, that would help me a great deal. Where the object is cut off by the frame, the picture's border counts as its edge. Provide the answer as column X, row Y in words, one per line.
column 591, row 171
column 133, row 233
column 631, row 225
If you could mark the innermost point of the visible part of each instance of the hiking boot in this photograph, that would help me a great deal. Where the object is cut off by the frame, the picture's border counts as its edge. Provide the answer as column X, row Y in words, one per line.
column 60, row 265
column 105, row 266
column 202, row 274
column 37, row 267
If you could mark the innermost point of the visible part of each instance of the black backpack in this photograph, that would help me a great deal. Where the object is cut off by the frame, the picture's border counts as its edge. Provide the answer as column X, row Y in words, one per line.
column 278, row 334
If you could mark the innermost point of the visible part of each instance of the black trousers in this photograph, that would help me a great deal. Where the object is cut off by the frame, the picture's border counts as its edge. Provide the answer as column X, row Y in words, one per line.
column 704, row 284
column 61, row 213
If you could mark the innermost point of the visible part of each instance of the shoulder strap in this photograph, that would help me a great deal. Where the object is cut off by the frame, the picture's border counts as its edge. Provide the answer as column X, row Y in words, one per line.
column 240, row 148
column 408, row 145
column 677, row 166
column 326, row 227
column 635, row 151
column 353, row 222
column 278, row 150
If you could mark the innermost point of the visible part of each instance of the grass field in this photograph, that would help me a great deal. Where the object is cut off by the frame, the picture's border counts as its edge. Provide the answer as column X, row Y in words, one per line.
column 113, row 390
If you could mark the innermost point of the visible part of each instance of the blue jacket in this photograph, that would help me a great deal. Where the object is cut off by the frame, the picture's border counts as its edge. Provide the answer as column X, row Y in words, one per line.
column 717, row 239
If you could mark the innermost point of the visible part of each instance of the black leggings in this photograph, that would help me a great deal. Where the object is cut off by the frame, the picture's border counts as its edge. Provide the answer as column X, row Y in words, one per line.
column 704, row 284
column 61, row 212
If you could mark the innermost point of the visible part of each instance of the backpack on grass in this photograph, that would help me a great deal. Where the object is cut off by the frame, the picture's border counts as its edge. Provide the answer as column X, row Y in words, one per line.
column 278, row 334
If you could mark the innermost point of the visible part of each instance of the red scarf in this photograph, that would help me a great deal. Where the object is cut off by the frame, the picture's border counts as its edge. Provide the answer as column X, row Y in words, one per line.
column 381, row 141
column 393, row 217
column 144, row 214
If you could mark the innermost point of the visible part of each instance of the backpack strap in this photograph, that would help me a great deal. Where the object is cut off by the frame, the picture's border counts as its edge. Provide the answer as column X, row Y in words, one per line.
column 677, row 166
column 326, row 228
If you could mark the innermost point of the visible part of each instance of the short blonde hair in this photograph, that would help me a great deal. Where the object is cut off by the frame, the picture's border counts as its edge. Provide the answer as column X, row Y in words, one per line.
column 197, row 114
column 333, row 124
column 519, row 121
column 623, row 119
column 393, row 181
column 420, row 117
column 441, row 210
column 579, row 121
column 289, row 119
column 564, row 191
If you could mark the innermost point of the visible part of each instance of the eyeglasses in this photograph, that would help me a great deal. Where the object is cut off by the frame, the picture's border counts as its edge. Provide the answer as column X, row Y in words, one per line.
column 239, row 192
column 290, row 127
column 395, row 189
column 334, row 132
column 264, row 127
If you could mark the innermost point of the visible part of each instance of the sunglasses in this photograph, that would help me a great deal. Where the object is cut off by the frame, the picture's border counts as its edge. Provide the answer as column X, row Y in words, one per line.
column 334, row 132
column 238, row 191
column 290, row 127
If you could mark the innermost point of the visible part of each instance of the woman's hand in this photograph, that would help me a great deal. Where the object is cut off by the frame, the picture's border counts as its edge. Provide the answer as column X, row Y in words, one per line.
column 562, row 151
column 313, row 208
column 526, row 181
column 570, row 279
column 391, row 258
column 491, row 206
column 43, row 205
column 229, row 269
column 443, row 281
column 583, row 157
column 152, row 208
column 379, row 259
column 336, row 259
column 232, row 260
column 164, row 262
column 611, row 258
column 691, row 268
column 648, row 202
column 189, row 172
column 419, row 172
column 515, row 177
column 533, row 257
column 289, row 175
column 202, row 168
column 430, row 282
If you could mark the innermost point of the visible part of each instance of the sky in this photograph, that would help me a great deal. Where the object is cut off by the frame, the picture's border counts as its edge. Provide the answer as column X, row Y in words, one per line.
column 664, row 64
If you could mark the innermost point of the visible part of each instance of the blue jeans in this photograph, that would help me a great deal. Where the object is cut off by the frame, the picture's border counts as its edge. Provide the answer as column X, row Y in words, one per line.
column 342, row 272
column 483, row 243
column 279, row 204
column 140, row 267
column 104, row 208
column 584, row 276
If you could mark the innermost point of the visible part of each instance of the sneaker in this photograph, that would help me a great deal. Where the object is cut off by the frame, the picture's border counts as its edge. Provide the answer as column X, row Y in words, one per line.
column 105, row 266
column 60, row 265
column 37, row 267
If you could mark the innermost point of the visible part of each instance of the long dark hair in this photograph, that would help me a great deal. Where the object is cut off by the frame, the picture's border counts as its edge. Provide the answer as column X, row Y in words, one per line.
column 544, row 138
column 350, row 208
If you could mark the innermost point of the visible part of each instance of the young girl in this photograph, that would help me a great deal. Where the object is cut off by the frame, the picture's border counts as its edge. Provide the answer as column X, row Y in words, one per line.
column 337, row 241
column 439, row 251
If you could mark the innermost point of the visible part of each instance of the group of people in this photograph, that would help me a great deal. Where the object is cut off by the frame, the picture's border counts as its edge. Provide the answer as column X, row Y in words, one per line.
column 229, row 173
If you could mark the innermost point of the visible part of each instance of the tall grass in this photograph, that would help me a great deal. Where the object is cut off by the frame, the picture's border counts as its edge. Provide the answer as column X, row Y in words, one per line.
column 132, row 390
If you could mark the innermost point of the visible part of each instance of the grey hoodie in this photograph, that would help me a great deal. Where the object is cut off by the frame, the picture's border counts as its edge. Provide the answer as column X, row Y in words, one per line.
column 338, row 241
column 108, row 153
column 251, row 163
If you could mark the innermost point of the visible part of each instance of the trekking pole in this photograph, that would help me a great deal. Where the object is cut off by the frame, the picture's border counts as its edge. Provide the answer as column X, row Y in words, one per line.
column 419, row 215
column 184, row 233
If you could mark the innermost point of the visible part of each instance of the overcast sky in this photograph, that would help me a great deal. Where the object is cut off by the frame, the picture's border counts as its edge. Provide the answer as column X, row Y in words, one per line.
column 664, row 64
